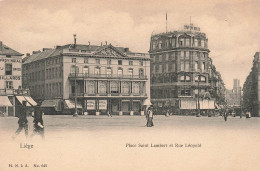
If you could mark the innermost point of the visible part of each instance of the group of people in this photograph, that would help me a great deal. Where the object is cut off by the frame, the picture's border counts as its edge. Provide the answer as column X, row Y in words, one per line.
column 23, row 122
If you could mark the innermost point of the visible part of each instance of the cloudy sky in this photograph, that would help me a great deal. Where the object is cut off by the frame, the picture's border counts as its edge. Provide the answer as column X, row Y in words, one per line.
column 232, row 27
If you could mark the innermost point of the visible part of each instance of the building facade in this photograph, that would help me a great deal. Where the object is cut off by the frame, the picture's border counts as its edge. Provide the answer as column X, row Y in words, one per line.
column 100, row 79
column 181, row 70
column 11, row 81
column 251, row 89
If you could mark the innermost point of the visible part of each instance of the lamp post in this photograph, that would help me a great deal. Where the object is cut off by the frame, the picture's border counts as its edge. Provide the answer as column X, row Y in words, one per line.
column 199, row 78
column 75, row 90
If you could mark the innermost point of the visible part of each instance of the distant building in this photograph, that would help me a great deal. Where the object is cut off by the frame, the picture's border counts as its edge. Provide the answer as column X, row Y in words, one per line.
column 233, row 97
column 181, row 70
column 102, row 78
column 11, row 92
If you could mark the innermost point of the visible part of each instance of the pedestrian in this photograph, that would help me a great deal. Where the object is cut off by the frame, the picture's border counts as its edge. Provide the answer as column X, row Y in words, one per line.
column 226, row 114
column 38, row 122
column 108, row 114
column 22, row 122
column 167, row 113
column 150, row 117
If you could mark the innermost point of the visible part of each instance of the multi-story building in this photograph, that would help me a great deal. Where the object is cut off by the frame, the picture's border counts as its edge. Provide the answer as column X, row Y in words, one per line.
column 11, row 92
column 180, row 68
column 251, row 88
column 217, row 86
column 100, row 78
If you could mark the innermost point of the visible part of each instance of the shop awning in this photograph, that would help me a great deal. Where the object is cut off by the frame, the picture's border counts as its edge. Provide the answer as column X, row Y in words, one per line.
column 69, row 104
column 147, row 102
column 21, row 99
column 188, row 104
column 55, row 103
column 207, row 104
column 4, row 101
column 50, row 103
column 30, row 100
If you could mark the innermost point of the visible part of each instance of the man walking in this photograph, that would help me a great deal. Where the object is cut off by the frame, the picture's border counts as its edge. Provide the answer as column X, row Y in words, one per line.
column 22, row 122
column 38, row 122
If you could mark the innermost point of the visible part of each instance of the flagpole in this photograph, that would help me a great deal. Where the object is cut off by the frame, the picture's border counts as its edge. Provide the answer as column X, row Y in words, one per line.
column 166, row 22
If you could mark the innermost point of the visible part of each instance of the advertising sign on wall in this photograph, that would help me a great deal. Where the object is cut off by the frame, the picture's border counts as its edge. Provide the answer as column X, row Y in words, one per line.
column 102, row 104
column 91, row 104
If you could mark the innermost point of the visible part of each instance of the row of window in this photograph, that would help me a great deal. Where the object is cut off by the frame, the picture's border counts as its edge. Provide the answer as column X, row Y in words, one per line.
column 174, row 78
column 54, row 73
column 185, row 66
column 97, row 71
column 181, row 42
column 173, row 93
column 54, row 89
column 171, row 56
column 109, row 61
column 115, row 87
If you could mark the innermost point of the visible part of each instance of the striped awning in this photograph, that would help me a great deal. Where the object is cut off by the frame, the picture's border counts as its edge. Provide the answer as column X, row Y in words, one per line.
column 4, row 101
column 30, row 100
column 21, row 99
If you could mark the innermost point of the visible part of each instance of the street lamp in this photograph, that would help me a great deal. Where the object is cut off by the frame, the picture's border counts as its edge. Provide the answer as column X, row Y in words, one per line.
column 75, row 90
column 199, row 79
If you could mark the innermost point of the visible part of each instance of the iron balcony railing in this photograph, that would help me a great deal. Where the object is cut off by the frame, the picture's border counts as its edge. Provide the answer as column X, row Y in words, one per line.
column 72, row 95
column 85, row 75
column 5, row 92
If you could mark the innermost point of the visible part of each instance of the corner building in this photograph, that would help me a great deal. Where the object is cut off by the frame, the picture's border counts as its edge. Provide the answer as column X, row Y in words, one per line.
column 180, row 69
column 11, row 92
column 101, row 78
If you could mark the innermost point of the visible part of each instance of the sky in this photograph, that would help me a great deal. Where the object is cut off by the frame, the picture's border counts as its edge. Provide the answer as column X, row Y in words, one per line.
column 232, row 27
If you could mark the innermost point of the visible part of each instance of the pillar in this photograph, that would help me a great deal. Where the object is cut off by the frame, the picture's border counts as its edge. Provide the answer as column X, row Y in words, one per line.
column 120, row 108
column 131, row 108
column 13, row 106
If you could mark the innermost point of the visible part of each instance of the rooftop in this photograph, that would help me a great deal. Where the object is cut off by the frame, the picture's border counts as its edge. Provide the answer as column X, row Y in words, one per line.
column 5, row 50
column 79, row 49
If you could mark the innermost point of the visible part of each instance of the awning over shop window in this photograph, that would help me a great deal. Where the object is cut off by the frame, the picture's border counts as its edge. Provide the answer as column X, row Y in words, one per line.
column 21, row 99
column 30, row 100
column 147, row 102
column 50, row 103
column 69, row 104
column 207, row 104
column 4, row 101
column 188, row 104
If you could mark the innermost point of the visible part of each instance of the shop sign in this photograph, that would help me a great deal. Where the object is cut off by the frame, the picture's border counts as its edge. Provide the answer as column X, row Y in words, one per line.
column 91, row 104
column 9, row 77
column 102, row 104
column 11, row 60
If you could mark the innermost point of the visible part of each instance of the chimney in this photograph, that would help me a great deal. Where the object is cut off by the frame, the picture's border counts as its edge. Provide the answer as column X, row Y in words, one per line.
column 89, row 43
column 106, row 42
column 27, row 54
column 75, row 40
column 101, row 43
column 126, row 49
column 34, row 52
column 1, row 45
column 45, row 49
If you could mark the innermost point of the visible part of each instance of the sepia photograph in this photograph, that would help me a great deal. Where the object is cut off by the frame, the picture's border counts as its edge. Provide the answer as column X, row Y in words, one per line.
column 129, row 85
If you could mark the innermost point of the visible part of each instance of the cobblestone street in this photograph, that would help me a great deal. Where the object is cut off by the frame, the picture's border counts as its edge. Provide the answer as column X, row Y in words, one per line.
column 91, row 141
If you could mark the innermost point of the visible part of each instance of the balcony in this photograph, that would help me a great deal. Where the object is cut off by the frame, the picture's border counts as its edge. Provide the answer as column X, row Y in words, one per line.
column 109, row 95
column 107, row 76
column 6, row 92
